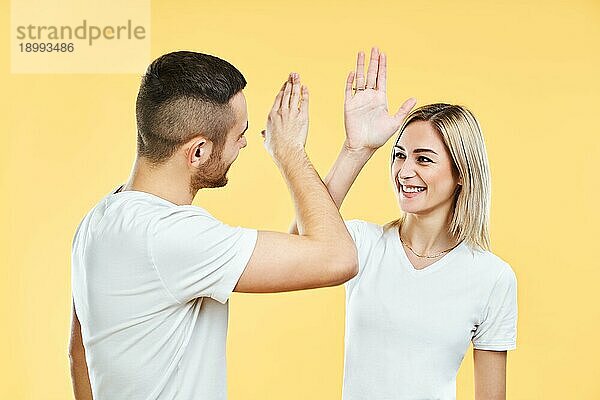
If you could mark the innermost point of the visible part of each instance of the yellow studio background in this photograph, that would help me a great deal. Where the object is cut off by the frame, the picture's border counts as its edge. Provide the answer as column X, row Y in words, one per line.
column 528, row 69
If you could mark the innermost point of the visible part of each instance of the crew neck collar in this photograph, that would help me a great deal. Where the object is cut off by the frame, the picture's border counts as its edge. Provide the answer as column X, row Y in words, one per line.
column 118, row 192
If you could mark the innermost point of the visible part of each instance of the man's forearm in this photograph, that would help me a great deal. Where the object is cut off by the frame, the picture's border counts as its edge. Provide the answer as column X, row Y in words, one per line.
column 342, row 175
column 317, row 214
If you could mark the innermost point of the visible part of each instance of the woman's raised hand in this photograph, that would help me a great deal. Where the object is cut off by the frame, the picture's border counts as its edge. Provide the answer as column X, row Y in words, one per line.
column 368, row 124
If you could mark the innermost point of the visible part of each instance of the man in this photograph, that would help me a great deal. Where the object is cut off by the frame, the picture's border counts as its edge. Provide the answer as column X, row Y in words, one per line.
column 152, row 274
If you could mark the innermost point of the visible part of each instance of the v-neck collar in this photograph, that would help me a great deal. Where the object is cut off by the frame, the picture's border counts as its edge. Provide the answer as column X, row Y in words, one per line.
column 409, row 267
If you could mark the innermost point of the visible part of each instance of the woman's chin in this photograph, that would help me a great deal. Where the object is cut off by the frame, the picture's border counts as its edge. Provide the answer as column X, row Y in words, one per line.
column 409, row 208
column 410, row 205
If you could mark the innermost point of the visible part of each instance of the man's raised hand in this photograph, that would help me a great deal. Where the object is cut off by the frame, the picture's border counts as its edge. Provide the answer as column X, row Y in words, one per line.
column 287, row 123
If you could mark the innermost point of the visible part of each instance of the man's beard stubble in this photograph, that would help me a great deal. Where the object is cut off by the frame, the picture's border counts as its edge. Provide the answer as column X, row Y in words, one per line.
column 212, row 174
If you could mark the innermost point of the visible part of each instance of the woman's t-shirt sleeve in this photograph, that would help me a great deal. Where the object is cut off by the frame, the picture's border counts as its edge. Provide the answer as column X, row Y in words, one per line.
column 357, row 230
column 498, row 327
column 355, row 227
column 196, row 255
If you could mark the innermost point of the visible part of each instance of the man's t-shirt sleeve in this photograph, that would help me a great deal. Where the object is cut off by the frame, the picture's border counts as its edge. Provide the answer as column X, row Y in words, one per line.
column 498, row 328
column 196, row 255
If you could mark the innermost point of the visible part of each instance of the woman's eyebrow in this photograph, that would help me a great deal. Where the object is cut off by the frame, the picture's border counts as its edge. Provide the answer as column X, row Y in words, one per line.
column 421, row 150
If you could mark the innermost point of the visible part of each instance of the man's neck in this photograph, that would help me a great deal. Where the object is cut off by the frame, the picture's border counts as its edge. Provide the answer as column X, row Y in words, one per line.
column 166, row 181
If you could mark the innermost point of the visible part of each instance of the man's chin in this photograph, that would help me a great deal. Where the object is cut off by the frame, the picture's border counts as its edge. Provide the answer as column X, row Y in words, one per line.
column 221, row 183
column 209, row 183
column 208, row 178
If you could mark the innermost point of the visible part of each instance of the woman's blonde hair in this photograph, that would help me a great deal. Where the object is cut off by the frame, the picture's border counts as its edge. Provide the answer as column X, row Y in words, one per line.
column 463, row 138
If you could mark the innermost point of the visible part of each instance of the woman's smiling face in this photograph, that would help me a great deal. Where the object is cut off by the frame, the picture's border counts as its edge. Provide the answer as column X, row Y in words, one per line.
column 425, row 178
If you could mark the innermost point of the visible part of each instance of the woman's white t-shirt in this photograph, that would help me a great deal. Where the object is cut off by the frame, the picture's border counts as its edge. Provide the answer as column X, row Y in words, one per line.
column 407, row 330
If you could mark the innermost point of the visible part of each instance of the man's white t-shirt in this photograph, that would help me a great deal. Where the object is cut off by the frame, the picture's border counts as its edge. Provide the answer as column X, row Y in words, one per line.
column 150, row 283
column 407, row 330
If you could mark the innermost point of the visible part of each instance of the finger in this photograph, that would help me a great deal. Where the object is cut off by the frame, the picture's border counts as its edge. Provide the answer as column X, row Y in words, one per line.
column 295, row 97
column 360, row 70
column 382, row 73
column 277, row 102
column 404, row 110
column 349, row 82
column 304, row 100
column 372, row 71
column 285, row 101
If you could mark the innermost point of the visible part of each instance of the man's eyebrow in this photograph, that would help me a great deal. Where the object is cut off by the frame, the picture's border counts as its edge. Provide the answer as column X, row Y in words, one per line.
column 417, row 150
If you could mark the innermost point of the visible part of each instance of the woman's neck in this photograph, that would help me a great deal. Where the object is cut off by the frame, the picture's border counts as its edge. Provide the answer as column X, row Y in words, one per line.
column 427, row 233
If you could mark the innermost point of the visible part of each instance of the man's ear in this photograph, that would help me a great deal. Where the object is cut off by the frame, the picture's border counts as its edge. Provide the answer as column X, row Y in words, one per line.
column 198, row 150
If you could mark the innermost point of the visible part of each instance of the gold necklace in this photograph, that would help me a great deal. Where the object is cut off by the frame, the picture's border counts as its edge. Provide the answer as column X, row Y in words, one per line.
column 424, row 256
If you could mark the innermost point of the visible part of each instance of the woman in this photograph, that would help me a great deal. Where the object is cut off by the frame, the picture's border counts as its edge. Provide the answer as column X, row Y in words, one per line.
column 428, row 284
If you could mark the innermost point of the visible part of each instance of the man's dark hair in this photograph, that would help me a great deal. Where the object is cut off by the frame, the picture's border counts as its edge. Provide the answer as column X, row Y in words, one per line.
column 184, row 94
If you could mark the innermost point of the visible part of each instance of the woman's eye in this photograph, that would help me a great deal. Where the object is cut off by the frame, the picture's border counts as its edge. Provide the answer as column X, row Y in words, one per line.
column 399, row 155
column 424, row 159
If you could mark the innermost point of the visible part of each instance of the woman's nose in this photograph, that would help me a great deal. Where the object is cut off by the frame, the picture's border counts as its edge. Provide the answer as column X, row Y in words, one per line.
column 406, row 169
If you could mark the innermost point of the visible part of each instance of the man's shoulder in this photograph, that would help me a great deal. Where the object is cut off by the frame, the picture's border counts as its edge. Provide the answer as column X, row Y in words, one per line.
column 133, row 210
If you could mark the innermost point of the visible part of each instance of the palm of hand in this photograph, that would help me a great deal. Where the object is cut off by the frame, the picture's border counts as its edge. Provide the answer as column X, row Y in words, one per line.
column 368, row 123
column 366, row 118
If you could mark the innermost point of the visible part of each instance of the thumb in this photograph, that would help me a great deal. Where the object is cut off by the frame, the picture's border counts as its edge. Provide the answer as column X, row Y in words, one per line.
column 404, row 110
column 304, row 100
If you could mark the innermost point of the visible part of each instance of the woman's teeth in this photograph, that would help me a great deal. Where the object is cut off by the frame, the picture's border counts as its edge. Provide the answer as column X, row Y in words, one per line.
column 413, row 189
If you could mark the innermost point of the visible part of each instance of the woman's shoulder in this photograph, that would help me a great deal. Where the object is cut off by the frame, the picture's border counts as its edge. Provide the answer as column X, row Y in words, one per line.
column 364, row 229
column 492, row 264
column 361, row 224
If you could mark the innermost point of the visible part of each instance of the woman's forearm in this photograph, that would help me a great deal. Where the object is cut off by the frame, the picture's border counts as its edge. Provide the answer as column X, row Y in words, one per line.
column 344, row 171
